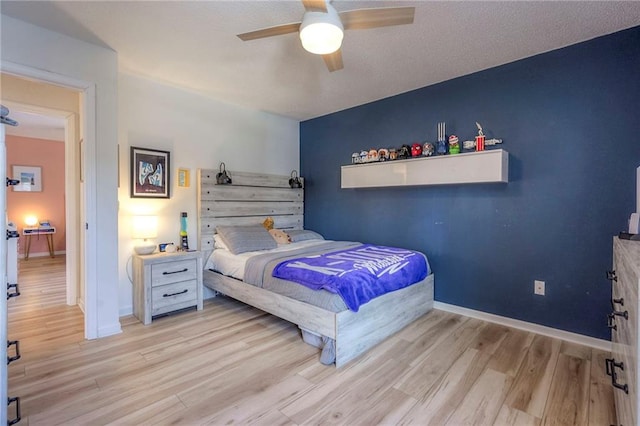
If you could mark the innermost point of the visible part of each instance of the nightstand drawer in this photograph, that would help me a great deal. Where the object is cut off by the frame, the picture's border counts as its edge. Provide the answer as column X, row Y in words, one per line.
column 172, row 297
column 171, row 272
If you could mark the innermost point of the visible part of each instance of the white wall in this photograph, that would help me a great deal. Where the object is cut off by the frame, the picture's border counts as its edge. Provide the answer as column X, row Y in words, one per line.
column 34, row 47
column 199, row 132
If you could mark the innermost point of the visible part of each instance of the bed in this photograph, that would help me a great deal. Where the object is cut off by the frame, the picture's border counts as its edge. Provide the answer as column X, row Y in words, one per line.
column 249, row 201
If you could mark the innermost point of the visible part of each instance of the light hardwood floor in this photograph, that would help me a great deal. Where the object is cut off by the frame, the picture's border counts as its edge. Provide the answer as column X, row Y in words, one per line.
column 233, row 364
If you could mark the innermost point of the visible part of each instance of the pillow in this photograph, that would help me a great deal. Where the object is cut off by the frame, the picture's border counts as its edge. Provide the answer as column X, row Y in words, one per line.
column 218, row 243
column 240, row 239
column 303, row 235
column 280, row 236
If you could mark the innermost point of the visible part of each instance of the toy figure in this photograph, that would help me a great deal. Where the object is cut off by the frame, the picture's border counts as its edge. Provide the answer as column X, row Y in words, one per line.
column 454, row 146
column 405, row 152
column 383, row 154
column 442, row 139
column 416, row 150
column 479, row 138
column 428, row 149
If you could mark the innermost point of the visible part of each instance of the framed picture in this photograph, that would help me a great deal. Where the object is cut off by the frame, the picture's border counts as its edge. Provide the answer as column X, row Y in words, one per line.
column 150, row 172
column 30, row 178
column 183, row 178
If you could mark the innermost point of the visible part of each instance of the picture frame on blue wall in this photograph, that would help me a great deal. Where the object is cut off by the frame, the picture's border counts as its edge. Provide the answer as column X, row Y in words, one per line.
column 150, row 173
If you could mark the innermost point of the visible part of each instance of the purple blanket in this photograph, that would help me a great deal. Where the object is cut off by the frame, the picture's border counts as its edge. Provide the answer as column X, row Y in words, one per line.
column 358, row 274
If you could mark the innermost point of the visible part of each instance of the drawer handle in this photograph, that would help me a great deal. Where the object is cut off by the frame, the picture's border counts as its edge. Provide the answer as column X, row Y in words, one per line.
column 619, row 301
column 18, row 417
column 611, row 276
column 176, row 272
column 611, row 322
column 175, row 294
column 624, row 314
column 611, row 365
column 16, row 290
column 15, row 343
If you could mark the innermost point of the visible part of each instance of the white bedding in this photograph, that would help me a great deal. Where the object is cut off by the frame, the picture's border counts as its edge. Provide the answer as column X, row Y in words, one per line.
column 232, row 265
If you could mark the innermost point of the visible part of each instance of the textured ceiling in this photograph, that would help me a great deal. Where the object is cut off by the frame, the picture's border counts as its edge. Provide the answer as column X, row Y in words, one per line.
column 192, row 45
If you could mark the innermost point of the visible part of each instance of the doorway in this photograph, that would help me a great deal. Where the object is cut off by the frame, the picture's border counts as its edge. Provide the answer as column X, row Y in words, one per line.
column 79, row 182
column 44, row 141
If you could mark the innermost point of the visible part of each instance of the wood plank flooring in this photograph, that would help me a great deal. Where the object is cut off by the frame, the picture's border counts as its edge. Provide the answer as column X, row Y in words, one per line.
column 233, row 364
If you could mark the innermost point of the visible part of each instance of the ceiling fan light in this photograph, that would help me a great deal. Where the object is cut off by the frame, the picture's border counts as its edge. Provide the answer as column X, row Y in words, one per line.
column 321, row 33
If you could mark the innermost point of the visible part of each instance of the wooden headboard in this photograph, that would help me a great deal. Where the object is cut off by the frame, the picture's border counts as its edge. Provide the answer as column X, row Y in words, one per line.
column 248, row 201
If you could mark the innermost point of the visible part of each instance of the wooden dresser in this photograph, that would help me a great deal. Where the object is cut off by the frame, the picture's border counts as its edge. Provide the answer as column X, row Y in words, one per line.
column 166, row 282
column 623, row 321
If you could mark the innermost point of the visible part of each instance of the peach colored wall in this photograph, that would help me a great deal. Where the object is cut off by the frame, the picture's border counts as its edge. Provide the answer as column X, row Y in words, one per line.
column 48, row 204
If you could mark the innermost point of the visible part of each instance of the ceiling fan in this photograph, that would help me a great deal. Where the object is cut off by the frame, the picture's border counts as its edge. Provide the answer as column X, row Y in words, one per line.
column 322, row 27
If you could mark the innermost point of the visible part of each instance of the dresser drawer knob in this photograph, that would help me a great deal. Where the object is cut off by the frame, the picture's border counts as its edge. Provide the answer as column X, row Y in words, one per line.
column 611, row 276
column 175, row 272
column 175, row 294
column 610, row 366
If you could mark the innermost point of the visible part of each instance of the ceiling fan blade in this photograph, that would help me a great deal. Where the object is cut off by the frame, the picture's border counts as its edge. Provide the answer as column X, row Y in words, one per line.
column 315, row 5
column 334, row 60
column 270, row 32
column 362, row 19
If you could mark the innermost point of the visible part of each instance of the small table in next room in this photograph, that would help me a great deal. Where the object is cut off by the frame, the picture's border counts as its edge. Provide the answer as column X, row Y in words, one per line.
column 29, row 232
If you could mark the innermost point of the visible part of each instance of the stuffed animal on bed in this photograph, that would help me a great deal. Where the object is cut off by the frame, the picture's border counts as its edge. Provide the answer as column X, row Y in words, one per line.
column 280, row 236
column 268, row 223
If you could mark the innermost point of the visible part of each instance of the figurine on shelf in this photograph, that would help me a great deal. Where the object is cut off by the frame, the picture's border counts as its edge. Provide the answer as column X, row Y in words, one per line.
column 383, row 154
column 355, row 158
column 393, row 154
column 441, row 148
column 416, row 150
column 454, row 146
column 427, row 149
column 363, row 156
column 479, row 138
column 487, row 142
column 372, row 156
column 405, row 152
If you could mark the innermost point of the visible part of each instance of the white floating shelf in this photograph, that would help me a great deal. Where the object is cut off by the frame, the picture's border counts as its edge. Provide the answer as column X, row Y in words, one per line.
column 472, row 167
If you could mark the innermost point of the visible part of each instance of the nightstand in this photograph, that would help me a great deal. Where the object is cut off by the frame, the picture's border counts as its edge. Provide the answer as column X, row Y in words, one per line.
column 166, row 282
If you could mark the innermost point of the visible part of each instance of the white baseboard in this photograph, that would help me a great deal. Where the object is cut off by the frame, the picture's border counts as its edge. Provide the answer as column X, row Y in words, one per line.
column 110, row 330
column 580, row 339
column 126, row 310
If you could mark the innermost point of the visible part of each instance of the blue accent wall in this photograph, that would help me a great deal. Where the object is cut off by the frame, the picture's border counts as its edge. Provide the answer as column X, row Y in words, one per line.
column 570, row 120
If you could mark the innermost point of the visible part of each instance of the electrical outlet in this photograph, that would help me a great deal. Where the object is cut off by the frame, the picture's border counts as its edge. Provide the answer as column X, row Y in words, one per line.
column 538, row 287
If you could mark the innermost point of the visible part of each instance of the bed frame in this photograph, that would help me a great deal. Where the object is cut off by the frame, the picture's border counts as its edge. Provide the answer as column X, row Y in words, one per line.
column 252, row 198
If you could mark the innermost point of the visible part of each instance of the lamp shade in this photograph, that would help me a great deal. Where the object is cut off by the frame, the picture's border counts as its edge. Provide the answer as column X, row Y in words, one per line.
column 31, row 220
column 144, row 227
column 321, row 33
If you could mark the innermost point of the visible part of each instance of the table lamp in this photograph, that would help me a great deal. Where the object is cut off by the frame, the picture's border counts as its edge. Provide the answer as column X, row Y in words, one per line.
column 31, row 221
column 144, row 228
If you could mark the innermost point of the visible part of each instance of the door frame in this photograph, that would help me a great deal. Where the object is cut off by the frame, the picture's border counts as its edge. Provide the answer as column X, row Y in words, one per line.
column 89, row 206
column 71, row 190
